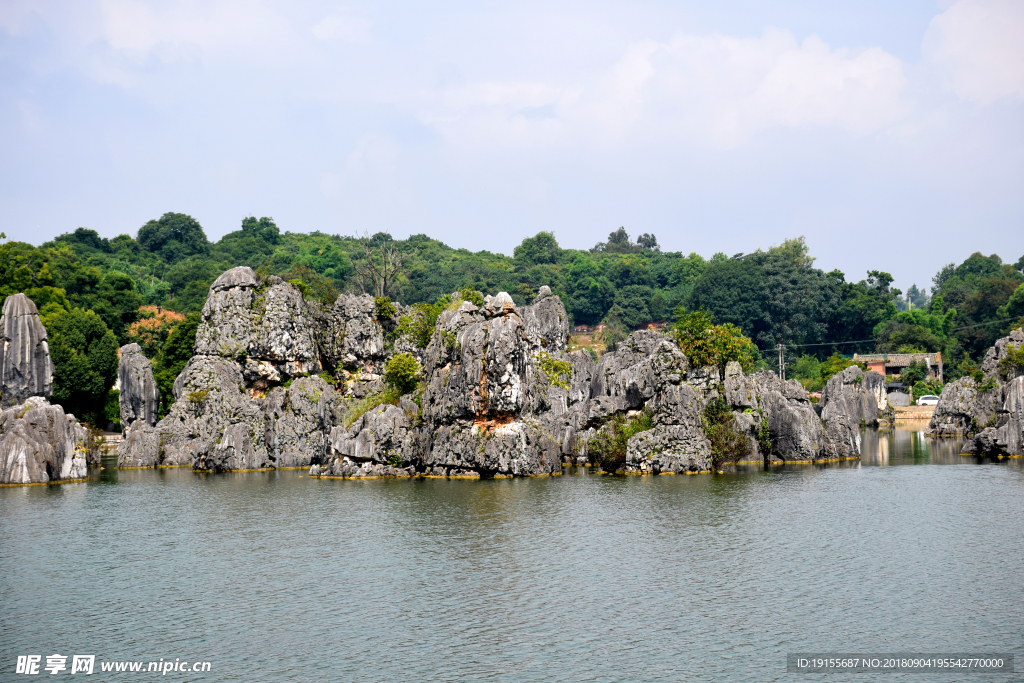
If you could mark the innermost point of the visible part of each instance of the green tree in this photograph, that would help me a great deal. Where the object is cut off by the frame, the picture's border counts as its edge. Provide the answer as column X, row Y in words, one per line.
column 174, row 236
column 84, row 354
column 541, row 248
column 173, row 357
column 705, row 343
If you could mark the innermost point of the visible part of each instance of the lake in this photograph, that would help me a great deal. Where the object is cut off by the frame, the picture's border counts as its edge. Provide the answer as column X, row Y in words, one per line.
column 273, row 576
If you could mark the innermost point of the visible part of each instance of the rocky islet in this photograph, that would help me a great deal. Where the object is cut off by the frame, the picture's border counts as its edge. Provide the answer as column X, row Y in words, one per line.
column 280, row 381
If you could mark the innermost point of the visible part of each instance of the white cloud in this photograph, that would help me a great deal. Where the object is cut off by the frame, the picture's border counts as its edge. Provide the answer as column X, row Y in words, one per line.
column 714, row 89
column 980, row 46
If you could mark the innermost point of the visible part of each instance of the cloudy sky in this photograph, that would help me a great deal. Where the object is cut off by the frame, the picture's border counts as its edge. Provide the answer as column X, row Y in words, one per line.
column 890, row 134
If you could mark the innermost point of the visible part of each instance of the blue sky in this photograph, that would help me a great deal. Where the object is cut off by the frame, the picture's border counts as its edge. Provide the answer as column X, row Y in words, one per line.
column 891, row 135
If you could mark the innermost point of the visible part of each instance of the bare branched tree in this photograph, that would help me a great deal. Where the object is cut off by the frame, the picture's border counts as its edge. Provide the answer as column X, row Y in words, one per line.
column 382, row 264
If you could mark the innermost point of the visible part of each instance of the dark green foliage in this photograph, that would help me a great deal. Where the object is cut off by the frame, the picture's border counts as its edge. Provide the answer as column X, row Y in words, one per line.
column 84, row 353
column 608, row 447
column 631, row 305
column 172, row 359
column 174, row 236
column 728, row 443
column 313, row 285
column 914, row 373
column 402, row 372
column 112, row 411
column 541, row 248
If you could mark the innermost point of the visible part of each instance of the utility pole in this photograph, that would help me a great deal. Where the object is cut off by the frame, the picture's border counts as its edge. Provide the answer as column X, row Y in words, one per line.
column 782, row 360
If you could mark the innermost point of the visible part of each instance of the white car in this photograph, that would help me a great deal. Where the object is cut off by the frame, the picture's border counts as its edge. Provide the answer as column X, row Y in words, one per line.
column 928, row 400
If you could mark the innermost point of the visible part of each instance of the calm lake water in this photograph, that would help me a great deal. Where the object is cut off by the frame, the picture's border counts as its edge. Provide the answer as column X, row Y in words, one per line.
column 584, row 577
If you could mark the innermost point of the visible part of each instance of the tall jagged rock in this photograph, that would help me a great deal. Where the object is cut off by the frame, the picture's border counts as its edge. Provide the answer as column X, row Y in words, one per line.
column 249, row 398
column 999, row 411
column 967, row 405
column 1006, row 437
column 854, row 394
column 139, row 395
column 25, row 366
column 40, row 444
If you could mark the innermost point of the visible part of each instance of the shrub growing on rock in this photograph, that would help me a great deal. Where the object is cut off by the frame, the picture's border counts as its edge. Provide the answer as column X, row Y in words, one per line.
column 383, row 309
column 705, row 343
column 401, row 372
column 608, row 447
column 728, row 443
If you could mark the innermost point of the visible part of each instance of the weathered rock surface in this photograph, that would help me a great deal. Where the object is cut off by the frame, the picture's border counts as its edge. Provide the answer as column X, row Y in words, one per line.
column 854, row 394
column 40, row 444
column 25, row 366
column 962, row 408
column 1007, row 436
column 139, row 398
column 990, row 365
column 250, row 398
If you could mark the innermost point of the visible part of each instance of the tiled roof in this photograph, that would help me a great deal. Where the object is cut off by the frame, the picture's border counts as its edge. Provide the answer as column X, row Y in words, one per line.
column 898, row 360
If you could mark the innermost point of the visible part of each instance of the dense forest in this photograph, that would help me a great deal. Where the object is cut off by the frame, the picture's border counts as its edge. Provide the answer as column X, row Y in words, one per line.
column 95, row 294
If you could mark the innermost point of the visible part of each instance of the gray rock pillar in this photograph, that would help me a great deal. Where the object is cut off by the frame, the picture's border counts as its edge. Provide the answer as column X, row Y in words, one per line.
column 140, row 397
column 25, row 366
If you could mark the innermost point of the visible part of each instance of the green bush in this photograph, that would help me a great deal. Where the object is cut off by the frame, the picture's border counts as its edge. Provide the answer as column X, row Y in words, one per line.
column 401, row 372
column 383, row 309
column 835, row 364
column 557, row 372
column 728, row 443
column 608, row 447
column 418, row 325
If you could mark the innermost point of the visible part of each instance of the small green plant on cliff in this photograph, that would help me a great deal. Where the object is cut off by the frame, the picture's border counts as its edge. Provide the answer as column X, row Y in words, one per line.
column 608, row 447
column 557, row 372
column 383, row 309
column 198, row 396
column 418, row 325
column 450, row 341
column 401, row 372
column 764, row 437
column 728, row 443
column 1012, row 364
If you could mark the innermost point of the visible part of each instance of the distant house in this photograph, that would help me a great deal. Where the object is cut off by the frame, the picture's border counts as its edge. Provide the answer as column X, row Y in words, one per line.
column 580, row 329
column 656, row 326
column 891, row 364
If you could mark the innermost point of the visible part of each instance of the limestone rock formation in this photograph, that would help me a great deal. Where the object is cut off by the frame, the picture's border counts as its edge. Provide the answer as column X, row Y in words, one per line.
column 250, row 397
column 1006, row 437
column 25, row 366
column 966, row 407
column 40, row 444
column 139, row 396
column 279, row 381
column 855, row 394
